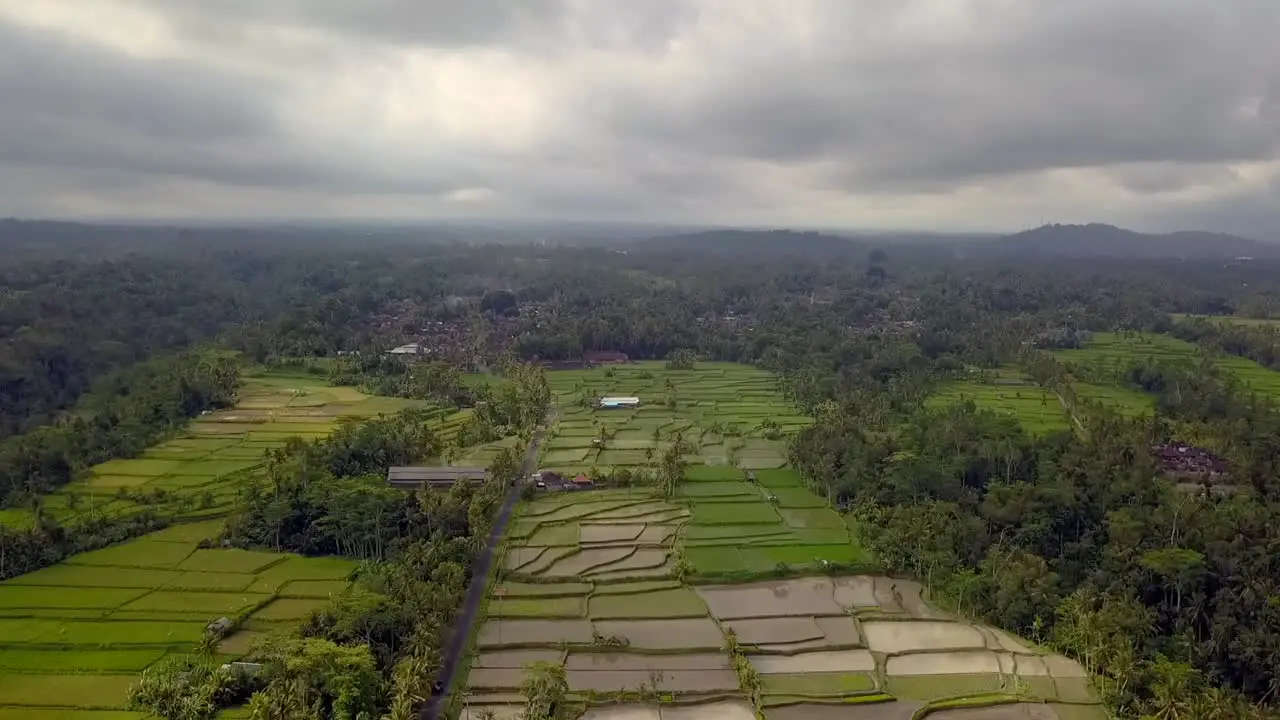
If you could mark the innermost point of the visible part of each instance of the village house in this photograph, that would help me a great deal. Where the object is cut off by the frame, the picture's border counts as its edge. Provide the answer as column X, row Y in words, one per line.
column 617, row 403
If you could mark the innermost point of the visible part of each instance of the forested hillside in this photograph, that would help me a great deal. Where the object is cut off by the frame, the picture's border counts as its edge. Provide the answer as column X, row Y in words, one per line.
column 992, row 427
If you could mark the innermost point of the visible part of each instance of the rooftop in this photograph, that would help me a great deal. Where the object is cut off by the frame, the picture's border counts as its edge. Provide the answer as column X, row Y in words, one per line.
column 445, row 475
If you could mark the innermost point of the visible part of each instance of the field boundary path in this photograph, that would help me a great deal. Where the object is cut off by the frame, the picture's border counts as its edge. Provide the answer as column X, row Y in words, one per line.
column 479, row 579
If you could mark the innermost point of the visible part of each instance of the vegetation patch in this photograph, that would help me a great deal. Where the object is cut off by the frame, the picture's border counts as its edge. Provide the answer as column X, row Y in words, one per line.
column 288, row 609
column 669, row 603
column 211, row 581
column 822, row 519
column 229, row 561
column 124, row 632
column 142, row 553
column 77, row 691
column 937, row 687
column 29, row 596
column 210, row 603
column 712, row 513
column 121, row 660
column 817, row 684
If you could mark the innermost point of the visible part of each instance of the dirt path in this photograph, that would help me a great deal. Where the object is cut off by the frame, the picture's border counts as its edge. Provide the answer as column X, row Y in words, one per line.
column 479, row 577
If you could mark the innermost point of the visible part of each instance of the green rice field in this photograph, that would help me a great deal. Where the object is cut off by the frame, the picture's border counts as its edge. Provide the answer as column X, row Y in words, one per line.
column 198, row 471
column 733, row 415
column 73, row 637
column 1114, row 351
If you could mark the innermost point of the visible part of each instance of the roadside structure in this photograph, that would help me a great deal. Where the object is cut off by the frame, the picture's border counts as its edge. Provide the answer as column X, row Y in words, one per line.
column 416, row 477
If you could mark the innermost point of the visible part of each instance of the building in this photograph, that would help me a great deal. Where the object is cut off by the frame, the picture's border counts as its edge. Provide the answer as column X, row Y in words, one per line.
column 613, row 403
column 410, row 349
column 414, row 478
column 583, row 482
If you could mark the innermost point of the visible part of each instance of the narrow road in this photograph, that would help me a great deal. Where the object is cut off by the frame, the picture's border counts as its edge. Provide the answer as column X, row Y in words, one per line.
column 479, row 577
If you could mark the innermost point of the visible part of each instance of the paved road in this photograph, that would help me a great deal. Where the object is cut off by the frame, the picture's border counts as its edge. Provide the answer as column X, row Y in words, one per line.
column 479, row 575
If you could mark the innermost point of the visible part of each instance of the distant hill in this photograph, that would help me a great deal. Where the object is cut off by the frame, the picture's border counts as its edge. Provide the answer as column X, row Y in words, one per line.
column 1097, row 240
column 753, row 243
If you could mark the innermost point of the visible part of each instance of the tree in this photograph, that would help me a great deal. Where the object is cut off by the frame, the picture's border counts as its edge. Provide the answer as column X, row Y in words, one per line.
column 682, row 359
column 544, row 688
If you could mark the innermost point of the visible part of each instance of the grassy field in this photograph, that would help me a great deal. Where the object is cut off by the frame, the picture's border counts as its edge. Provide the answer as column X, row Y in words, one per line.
column 1113, row 351
column 197, row 473
column 725, row 410
column 73, row 637
column 90, row 624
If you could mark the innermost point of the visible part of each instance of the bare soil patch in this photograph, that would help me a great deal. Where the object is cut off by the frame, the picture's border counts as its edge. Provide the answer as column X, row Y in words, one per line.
column 855, row 591
column 586, row 559
column 969, row 662
column 658, row 572
column 636, row 661
column 1061, row 667
column 899, row 710
column 682, row 681
column 672, row 603
column 830, row 661
column 838, row 632
column 769, row 631
column 609, row 533
column 688, row 633
column 657, row 535
column 518, row 557
column 640, row 559
column 495, row 678
column 547, row 559
column 1018, row 711
column 779, row 598
column 1030, row 666
column 534, row 632
column 500, row 712
column 726, row 710
column 895, row 637
column 1009, row 642
column 517, row 658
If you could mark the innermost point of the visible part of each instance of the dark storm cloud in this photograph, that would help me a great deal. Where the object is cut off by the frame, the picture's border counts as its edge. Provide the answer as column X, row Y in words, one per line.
column 709, row 107
column 1086, row 84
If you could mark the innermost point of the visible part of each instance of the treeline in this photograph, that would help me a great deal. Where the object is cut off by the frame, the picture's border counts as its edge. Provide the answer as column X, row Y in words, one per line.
column 1259, row 343
column 1076, row 540
column 126, row 413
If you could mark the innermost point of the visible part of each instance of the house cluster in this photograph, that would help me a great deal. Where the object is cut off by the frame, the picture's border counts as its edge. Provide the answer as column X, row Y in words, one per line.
column 553, row 481
column 588, row 360
column 1194, row 468
column 617, row 403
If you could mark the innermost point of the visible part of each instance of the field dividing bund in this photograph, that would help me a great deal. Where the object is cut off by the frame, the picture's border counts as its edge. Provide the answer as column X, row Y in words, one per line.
column 73, row 637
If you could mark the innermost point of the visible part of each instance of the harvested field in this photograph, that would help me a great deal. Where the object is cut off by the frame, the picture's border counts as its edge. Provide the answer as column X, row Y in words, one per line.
column 896, row 637
column 639, row 559
column 609, row 533
column 642, row 586
column 636, row 661
column 518, row 589
column 491, row 678
column 517, row 658
column 837, row 632
column 835, row 661
column 496, row 633
column 673, row 603
column 773, row 631
column 547, row 559
column 803, row 596
column 898, row 710
column 948, row 663
column 682, row 681
column 855, row 591
column 676, row 634
column 1016, row 711
column 550, row 607
column 575, row 565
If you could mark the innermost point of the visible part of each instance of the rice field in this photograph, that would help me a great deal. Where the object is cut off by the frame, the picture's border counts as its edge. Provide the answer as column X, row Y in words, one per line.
column 197, row 473
column 641, row 640
column 1112, row 352
column 732, row 414
column 73, row 637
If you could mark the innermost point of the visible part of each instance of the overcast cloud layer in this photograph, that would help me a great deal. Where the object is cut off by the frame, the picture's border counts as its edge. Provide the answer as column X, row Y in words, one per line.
column 941, row 114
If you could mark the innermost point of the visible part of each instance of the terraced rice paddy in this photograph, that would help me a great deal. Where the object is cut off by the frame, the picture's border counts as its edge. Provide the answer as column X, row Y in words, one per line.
column 1115, row 351
column 199, row 471
column 724, row 409
column 73, row 637
column 87, row 626
column 637, row 642
column 1037, row 409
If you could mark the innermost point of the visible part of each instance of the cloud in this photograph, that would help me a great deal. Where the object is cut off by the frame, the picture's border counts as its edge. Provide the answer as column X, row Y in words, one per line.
column 862, row 113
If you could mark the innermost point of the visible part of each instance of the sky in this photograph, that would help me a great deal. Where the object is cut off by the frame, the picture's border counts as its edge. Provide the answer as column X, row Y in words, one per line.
column 887, row 114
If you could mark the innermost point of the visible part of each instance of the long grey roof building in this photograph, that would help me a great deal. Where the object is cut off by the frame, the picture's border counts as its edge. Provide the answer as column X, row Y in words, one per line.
column 445, row 476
